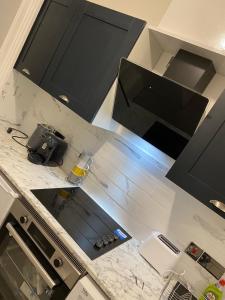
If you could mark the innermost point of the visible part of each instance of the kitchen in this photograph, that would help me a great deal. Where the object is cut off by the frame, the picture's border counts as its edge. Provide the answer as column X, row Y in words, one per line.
column 124, row 180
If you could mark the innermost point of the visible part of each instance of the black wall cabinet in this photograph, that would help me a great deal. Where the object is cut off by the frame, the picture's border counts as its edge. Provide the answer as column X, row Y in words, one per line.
column 200, row 169
column 83, row 54
column 45, row 37
column 87, row 61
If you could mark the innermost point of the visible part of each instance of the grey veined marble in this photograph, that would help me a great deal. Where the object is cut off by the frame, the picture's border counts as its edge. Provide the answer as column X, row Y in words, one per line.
column 121, row 273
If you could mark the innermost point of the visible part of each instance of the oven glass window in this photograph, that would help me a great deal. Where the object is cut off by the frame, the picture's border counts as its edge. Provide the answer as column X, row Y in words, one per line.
column 18, row 277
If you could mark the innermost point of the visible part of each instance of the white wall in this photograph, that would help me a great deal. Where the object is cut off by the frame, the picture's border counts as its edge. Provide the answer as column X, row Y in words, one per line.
column 8, row 10
column 149, row 10
column 201, row 21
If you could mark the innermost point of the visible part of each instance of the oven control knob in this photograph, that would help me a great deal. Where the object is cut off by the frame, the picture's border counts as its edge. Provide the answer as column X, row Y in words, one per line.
column 99, row 244
column 58, row 262
column 23, row 219
column 110, row 238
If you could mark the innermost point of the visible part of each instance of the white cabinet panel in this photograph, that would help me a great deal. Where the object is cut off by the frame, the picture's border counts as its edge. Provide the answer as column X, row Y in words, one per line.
column 86, row 289
column 7, row 197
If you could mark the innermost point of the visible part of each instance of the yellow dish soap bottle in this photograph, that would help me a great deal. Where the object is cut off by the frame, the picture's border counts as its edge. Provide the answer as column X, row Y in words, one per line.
column 214, row 291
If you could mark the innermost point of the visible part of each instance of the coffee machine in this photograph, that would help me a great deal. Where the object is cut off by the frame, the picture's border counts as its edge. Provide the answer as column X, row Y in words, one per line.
column 46, row 146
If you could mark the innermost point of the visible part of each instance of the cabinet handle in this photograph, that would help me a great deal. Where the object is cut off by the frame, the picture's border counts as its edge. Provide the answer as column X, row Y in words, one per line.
column 26, row 71
column 218, row 204
column 64, row 98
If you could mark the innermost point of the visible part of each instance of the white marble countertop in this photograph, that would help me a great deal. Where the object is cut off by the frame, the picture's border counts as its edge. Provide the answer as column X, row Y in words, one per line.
column 122, row 273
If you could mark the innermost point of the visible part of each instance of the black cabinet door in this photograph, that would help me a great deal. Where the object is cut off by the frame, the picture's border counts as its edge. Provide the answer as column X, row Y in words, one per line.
column 87, row 61
column 45, row 37
column 200, row 169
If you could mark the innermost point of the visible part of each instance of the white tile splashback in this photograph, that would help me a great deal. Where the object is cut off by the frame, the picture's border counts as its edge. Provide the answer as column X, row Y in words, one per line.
column 137, row 193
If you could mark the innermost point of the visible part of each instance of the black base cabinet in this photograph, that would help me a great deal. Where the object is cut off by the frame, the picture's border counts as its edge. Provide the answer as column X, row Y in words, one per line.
column 200, row 169
column 77, row 61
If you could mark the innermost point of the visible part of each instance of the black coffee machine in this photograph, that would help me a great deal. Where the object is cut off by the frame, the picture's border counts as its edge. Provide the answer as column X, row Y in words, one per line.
column 46, row 146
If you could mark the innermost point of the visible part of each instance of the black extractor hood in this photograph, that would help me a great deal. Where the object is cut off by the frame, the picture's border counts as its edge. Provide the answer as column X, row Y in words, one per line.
column 161, row 111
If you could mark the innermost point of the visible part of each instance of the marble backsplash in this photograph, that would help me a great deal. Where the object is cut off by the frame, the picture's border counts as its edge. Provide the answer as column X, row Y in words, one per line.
column 142, row 199
column 24, row 104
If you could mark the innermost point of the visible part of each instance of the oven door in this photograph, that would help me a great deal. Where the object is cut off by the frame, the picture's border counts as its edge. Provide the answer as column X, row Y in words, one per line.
column 24, row 271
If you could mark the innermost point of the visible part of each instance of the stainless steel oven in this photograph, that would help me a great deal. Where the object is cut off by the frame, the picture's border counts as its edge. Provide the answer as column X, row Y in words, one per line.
column 34, row 263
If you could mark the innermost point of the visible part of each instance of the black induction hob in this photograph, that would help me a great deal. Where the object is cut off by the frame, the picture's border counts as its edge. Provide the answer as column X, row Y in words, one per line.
column 86, row 222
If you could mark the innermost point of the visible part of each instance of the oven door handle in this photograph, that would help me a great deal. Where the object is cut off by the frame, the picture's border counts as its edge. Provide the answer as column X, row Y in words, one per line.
column 40, row 269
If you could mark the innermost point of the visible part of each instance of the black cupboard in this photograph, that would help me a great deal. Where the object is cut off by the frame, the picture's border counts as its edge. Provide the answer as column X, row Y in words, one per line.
column 74, row 50
column 44, row 38
column 200, row 169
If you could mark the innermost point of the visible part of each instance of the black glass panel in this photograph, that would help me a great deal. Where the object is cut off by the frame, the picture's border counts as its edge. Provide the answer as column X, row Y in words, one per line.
column 145, row 99
column 166, row 139
column 86, row 222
